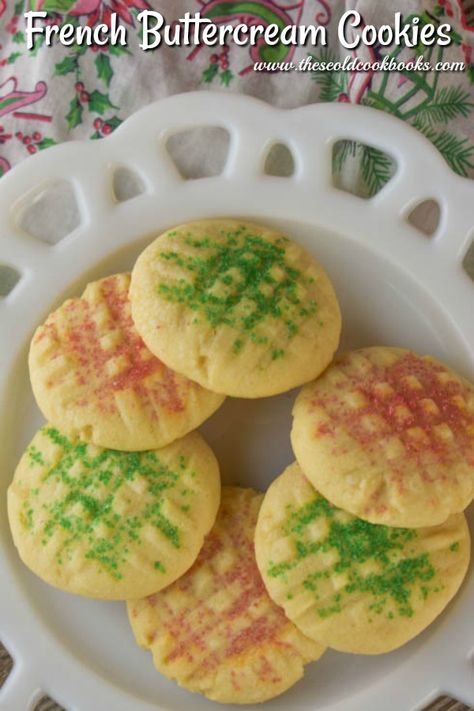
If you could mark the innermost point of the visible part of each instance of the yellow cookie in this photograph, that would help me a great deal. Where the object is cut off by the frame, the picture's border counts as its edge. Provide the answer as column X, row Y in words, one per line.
column 215, row 630
column 110, row 524
column 353, row 585
column 256, row 314
column 389, row 436
column 93, row 376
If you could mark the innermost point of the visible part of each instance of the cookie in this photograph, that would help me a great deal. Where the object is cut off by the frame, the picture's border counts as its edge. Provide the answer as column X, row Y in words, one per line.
column 255, row 312
column 109, row 524
column 349, row 584
column 389, row 436
column 94, row 378
column 215, row 630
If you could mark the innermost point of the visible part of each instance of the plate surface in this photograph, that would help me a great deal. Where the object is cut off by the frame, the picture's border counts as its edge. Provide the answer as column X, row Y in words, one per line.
column 396, row 287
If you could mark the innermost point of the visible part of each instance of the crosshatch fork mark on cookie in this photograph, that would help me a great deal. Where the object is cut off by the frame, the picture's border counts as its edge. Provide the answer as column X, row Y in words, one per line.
column 107, row 355
column 96, row 483
column 234, row 617
column 240, row 282
column 397, row 572
column 412, row 399
column 242, row 583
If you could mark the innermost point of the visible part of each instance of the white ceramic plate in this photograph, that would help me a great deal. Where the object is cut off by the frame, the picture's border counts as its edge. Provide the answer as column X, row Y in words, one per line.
column 396, row 286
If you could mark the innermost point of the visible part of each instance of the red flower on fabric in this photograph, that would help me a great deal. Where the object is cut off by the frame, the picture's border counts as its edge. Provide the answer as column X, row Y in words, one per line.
column 4, row 136
column 95, row 10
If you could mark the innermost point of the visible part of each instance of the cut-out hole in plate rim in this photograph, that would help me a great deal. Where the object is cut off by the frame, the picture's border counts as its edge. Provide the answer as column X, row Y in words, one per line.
column 425, row 217
column 6, row 665
column 126, row 184
column 50, row 212
column 468, row 261
column 279, row 161
column 9, row 278
column 360, row 169
column 446, row 703
column 199, row 152
column 46, row 703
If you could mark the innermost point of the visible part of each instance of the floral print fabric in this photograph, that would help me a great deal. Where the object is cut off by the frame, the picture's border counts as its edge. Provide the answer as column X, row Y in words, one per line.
column 54, row 94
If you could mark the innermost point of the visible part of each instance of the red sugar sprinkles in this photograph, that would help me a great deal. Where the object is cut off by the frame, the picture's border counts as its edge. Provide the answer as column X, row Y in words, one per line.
column 217, row 621
column 415, row 399
column 124, row 365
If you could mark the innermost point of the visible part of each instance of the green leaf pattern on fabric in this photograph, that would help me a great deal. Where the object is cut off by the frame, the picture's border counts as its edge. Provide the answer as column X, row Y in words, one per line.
column 58, row 93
